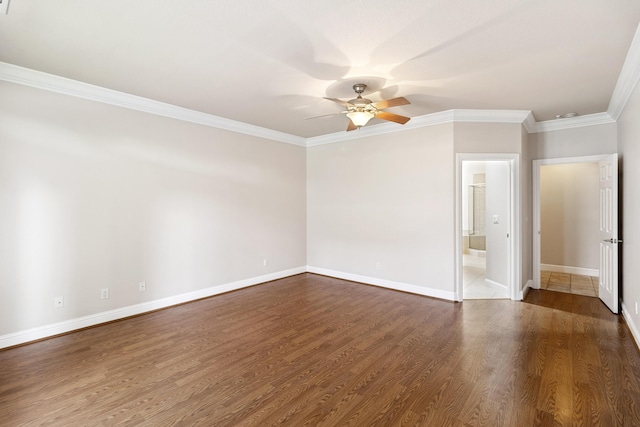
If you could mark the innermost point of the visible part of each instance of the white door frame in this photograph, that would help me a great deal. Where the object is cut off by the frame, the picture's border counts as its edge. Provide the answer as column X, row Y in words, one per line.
column 515, row 269
column 537, row 164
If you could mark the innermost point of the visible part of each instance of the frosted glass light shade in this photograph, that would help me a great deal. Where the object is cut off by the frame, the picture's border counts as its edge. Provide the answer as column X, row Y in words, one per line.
column 360, row 118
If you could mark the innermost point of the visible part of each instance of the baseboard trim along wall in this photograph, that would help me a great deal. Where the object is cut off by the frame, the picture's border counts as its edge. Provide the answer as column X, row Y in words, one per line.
column 46, row 331
column 571, row 270
column 632, row 326
column 389, row 284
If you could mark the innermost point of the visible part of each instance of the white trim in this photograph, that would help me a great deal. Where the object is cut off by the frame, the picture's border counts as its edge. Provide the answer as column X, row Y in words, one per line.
column 569, row 160
column 33, row 334
column 627, row 79
column 383, row 128
column 529, row 123
column 441, row 117
column 389, row 284
column 569, row 269
column 515, row 251
column 626, row 82
column 632, row 326
column 52, row 83
column 574, row 122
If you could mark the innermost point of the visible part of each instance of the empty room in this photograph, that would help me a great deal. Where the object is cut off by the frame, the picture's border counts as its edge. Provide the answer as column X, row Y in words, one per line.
column 363, row 213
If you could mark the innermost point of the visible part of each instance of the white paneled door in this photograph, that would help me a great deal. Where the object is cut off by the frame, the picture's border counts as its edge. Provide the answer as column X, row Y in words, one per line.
column 608, row 289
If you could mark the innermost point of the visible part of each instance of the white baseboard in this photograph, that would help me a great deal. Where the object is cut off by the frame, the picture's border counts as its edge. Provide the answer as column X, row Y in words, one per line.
column 571, row 270
column 389, row 284
column 41, row 332
column 632, row 326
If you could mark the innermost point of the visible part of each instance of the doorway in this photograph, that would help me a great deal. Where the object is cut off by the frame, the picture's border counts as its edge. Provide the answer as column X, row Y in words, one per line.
column 485, row 239
column 569, row 236
column 576, row 232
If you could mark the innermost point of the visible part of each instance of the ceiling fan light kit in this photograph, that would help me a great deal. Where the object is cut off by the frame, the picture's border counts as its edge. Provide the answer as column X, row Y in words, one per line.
column 360, row 118
column 360, row 110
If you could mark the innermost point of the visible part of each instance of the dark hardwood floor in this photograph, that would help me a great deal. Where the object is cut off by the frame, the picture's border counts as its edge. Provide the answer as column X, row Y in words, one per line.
column 311, row 350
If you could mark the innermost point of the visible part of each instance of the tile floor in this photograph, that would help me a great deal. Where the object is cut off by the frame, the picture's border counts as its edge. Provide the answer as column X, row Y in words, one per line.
column 473, row 279
column 569, row 283
column 476, row 287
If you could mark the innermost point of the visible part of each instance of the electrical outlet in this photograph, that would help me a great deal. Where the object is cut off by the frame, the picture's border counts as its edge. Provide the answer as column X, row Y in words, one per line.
column 58, row 302
column 265, row 262
column 104, row 293
column 636, row 307
column 142, row 286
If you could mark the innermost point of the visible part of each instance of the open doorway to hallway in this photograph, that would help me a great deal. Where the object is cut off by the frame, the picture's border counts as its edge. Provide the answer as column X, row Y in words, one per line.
column 569, row 228
column 590, row 229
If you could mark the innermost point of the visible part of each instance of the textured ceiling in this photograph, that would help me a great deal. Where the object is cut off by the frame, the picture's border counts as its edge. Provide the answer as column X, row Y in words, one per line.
column 269, row 63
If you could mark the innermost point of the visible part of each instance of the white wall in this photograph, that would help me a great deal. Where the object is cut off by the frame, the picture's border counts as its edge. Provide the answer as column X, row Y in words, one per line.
column 388, row 201
column 94, row 196
column 506, row 138
column 498, row 203
column 575, row 142
column 385, row 199
column 569, row 215
column 487, row 137
column 629, row 148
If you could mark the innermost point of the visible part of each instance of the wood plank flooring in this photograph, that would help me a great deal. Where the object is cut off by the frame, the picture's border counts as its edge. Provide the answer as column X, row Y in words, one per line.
column 315, row 351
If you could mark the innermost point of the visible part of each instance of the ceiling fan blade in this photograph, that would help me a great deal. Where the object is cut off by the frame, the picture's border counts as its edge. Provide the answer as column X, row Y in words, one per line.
column 394, row 102
column 351, row 126
column 392, row 117
column 338, row 101
column 326, row 115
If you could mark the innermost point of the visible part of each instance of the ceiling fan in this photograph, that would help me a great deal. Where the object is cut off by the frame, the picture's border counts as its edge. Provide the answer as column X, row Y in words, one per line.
column 360, row 110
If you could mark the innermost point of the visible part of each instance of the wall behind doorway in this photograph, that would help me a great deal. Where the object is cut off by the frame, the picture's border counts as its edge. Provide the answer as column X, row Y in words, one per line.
column 569, row 218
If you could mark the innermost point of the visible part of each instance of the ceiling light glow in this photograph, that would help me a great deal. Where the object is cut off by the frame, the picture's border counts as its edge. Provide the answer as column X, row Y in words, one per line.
column 360, row 118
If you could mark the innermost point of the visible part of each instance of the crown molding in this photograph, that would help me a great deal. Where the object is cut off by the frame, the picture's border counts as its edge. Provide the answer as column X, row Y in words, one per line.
column 382, row 128
column 441, row 117
column 529, row 123
column 574, row 122
column 628, row 78
column 52, row 83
